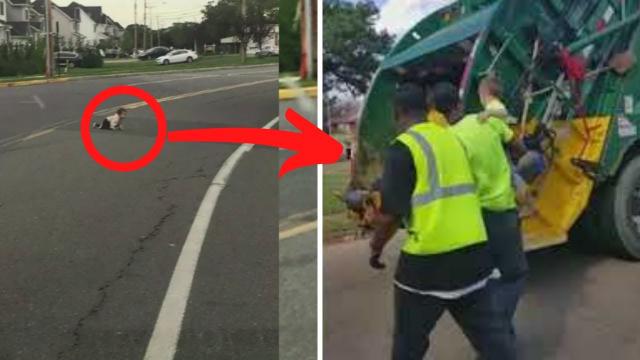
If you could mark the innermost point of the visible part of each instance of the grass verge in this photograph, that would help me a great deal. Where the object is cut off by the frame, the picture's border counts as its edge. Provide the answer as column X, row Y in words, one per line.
column 114, row 68
column 337, row 224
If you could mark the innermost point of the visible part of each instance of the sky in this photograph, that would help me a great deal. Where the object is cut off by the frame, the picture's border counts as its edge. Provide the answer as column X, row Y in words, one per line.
column 164, row 11
column 398, row 16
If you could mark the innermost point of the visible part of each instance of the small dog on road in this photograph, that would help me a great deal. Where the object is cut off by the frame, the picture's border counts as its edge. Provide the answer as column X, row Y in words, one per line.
column 113, row 122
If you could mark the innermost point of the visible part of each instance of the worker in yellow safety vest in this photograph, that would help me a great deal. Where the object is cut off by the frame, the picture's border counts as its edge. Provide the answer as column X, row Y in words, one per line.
column 484, row 141
column 445, row 263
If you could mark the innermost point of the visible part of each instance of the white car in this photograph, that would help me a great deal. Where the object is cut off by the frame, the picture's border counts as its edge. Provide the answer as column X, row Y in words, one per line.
column 177, row 56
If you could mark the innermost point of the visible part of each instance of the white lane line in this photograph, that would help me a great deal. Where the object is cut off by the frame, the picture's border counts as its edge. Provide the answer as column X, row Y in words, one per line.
column 298, row 230
column 109, row 111
column 166, row 332
column 39, row 101
column 36, row 100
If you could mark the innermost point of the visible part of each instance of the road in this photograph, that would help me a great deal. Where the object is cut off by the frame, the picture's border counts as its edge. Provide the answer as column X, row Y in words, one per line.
column 298, row 245
column 88, row 254
column 576, row 306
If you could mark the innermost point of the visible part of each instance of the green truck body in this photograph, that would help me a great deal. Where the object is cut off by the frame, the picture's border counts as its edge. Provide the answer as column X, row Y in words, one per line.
column 520, row 41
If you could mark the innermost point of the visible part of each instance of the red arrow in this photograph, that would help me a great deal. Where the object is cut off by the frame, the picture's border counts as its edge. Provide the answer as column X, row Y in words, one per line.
column 312, row 145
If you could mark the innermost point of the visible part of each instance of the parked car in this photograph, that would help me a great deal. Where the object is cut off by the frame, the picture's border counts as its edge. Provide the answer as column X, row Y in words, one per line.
column 154, row 53
column 266, row 52
column 67, row 57
column 112, row 53
column 177, row 56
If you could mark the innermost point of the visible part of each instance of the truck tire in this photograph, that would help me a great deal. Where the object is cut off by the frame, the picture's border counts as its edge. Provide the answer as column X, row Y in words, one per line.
column 585, row 235
column 620, row 211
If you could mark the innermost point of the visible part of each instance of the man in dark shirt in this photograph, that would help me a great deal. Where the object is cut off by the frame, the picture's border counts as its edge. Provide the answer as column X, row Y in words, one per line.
column 427, row 285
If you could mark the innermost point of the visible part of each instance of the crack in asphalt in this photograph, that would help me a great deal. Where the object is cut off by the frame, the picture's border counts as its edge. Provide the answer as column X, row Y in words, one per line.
column 102, row 290
column 166, row 182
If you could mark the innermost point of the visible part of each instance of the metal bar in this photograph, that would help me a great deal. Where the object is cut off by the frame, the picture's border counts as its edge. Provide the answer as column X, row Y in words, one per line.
column 499, row 54
column 615, row 6
column 582, row 43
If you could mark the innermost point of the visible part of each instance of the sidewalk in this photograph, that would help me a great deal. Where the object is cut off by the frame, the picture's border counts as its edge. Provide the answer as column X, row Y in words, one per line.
column 576, row 306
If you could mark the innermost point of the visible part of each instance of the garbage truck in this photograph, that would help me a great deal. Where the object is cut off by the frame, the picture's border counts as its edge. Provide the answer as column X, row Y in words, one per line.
column 570, row 80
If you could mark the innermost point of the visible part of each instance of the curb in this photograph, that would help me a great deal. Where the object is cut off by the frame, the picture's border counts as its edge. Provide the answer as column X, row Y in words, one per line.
column 33, row 82
column 298, row 219
column 288, row 94
column 106, row 76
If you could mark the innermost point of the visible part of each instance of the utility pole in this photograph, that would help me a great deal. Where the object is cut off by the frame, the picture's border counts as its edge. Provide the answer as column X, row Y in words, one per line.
column 135, row 28
column 308, row 31
column 158, row 24
column 243, row 39
column 150, row 28
column 144, row 24
column 49, row 67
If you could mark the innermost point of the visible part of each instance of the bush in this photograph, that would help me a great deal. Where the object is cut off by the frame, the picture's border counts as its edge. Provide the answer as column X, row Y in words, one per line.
column 92, row 60
column 22, row 59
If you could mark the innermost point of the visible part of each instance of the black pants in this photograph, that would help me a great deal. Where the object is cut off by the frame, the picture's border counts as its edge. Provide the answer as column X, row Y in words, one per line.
column 416, row 316
column 105, row 125
column 505, row 245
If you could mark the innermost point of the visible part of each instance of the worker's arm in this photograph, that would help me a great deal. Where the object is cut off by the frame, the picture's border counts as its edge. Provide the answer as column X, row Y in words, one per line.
column 397, row 184
column 385, row 227
column 497, row 112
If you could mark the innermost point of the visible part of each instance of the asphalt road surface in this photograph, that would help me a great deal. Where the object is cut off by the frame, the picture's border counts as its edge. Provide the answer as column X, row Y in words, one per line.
column 87, row 254
column 298, row 247
column 576, row 306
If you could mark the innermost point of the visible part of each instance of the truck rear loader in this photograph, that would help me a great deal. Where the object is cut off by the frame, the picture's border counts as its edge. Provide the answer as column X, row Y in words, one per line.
column 568, row 69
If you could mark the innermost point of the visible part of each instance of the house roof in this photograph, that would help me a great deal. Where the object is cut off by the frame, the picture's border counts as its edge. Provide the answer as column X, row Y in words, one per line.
column 69, row 11
column 39, row 5
column 94, row 12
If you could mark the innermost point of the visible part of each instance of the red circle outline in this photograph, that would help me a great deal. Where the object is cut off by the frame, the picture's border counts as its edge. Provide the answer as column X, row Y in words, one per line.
column 144, row 160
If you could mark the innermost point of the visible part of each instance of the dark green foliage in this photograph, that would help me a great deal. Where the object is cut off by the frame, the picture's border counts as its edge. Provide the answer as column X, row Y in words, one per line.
column 352, row 45
column 22, row 59
column 289, row 36
column 91, row 59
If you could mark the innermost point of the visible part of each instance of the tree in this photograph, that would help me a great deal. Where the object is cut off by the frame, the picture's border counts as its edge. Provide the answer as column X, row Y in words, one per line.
column 352, row 46
column 127, row 38
column 289, row 36
column 261, row 18
column 227, row 18
column 180, row 35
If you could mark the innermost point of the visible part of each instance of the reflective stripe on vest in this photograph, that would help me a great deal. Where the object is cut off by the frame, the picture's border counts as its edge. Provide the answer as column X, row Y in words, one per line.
column 435, row 191
column 445, row 211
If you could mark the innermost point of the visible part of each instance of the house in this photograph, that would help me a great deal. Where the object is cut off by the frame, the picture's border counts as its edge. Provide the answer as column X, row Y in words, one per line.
column 75, row 24
column 5, row 29
column 21, row 22
column 62, row 25
column 83, row 24
column 271, row 42
column 109, row 29
column 93, row 24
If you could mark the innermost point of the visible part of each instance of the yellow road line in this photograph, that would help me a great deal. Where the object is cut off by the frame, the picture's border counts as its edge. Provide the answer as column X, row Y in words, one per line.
column 38, row 134
column 142, row 103
column 298, row 230
column 289, row 94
